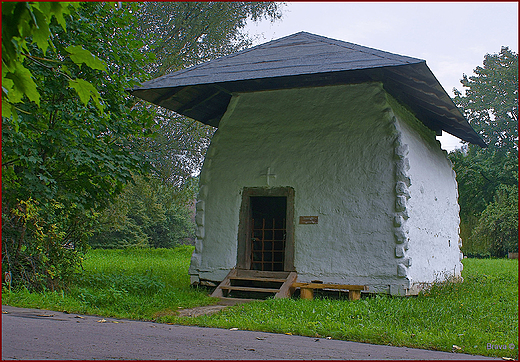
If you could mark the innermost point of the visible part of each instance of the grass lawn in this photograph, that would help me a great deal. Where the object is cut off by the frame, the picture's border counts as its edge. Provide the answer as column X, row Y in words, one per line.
column 153, row 285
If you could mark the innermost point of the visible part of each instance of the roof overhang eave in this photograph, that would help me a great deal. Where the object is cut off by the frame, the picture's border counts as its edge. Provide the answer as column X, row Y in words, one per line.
column 413, row 85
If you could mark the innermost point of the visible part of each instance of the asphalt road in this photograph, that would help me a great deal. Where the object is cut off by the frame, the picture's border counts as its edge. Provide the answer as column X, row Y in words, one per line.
column 40, row 334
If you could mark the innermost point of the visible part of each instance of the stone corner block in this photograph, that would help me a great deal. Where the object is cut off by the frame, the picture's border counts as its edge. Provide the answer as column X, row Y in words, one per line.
column 402, row 271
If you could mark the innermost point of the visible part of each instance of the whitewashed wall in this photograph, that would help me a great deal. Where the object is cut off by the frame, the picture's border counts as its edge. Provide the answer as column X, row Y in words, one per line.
column 336, row 147
column 433, row 226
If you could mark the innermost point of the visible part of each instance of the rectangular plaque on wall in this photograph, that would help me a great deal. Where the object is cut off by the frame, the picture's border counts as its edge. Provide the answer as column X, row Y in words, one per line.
column 308, row 219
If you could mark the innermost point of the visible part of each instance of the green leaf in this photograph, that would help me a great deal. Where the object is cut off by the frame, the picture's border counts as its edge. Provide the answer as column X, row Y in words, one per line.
column 23, row 84
column 44, row 7
column 41, row 32
column 81, row 56
column 58, row 10
column 86, row 91
column 7, row 84
column 65, row 70
column 7, row 109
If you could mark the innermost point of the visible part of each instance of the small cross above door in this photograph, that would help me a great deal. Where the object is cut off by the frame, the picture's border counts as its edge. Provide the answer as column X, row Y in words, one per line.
column 268, row 175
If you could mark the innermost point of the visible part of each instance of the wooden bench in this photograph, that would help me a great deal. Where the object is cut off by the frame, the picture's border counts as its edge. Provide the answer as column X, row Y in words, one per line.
column 307, row 289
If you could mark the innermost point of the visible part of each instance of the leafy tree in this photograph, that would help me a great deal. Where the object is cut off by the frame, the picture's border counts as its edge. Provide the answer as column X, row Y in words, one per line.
column 189, row 33
column 151, row 212
column 72, row 138
column 485, row 176
column 69, row 151
column 186, row 34
column 178, row 147
column 490, row 102
column 20, row 22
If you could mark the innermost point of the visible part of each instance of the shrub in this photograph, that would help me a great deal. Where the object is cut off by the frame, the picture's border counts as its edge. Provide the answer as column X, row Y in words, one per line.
column 43, row 244
column 497, row 228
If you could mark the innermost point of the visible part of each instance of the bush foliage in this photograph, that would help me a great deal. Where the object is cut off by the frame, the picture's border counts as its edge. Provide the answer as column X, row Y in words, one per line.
column 497, row 228
column 43, row 244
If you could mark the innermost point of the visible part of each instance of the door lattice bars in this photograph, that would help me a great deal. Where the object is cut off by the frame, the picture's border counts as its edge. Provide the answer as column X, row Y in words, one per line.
column 268, row 244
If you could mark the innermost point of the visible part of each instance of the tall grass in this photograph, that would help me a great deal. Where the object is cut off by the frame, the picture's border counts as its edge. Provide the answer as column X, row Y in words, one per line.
column 154, row 284
column 128, row 283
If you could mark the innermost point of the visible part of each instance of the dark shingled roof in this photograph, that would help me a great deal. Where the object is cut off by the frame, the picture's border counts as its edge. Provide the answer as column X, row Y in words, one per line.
column 202, row 92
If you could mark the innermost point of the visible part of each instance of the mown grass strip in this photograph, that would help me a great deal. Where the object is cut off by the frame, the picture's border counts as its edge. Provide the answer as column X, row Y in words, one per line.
column 154, row 285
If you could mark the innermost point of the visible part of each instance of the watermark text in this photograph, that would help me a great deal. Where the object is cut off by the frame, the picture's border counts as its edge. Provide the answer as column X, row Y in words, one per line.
column 500, row 346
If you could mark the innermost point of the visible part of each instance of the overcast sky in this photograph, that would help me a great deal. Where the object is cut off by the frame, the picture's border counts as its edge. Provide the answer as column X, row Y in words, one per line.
column 452, row 37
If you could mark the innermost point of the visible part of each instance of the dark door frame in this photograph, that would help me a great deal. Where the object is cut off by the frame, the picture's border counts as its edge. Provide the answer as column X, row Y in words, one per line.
column 244, row 242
